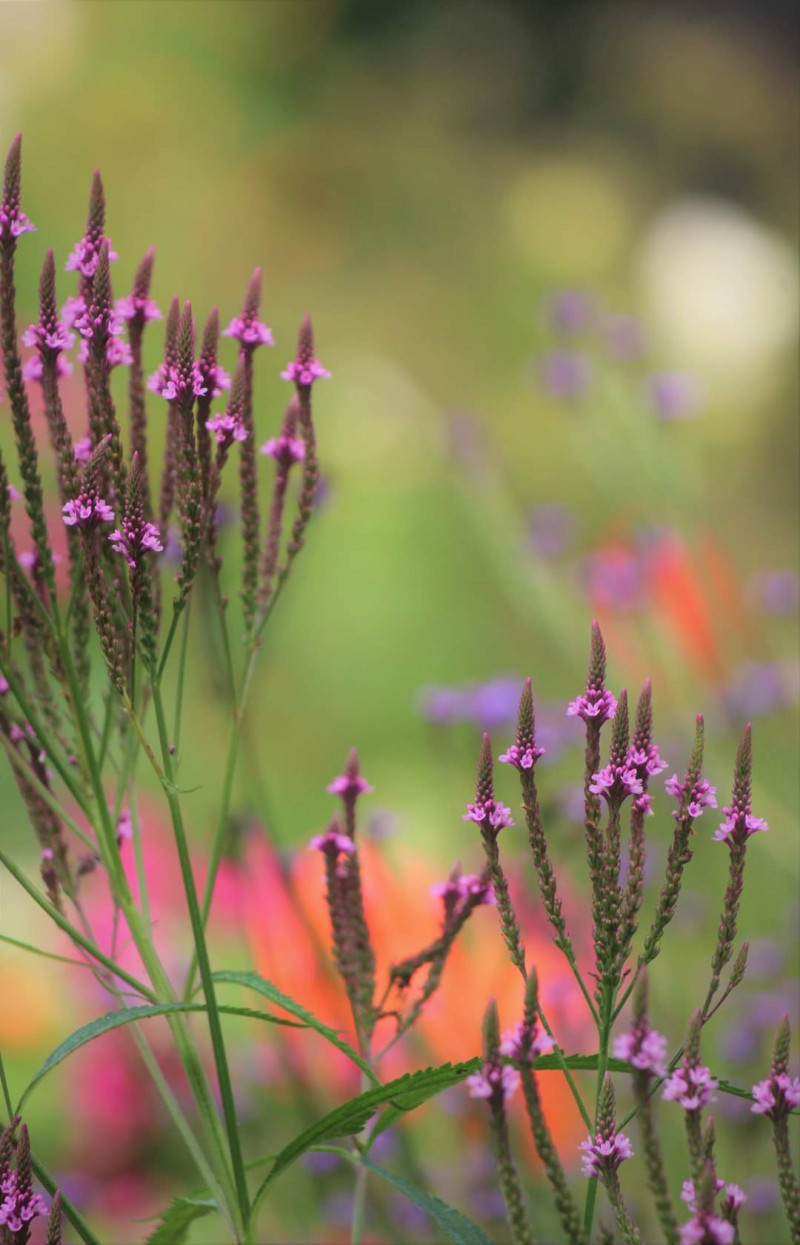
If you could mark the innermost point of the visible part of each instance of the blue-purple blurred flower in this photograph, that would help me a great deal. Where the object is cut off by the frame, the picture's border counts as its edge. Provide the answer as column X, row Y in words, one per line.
column 672, row 396
column 571, row 311
column 624, row 338
column 775, row 591
column 566, row 374
column 551, row 530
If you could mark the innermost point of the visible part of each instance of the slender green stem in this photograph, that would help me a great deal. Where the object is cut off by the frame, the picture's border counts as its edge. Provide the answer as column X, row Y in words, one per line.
column 179, row 1119
column 176, row 731
column 562, row 1063
column 165, row 652
column 215, row 1028
column 77, row 937
column 48, row 955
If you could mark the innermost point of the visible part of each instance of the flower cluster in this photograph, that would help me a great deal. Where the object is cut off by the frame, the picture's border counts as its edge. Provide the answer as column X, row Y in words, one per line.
column 489, row 813
column 285, row 450
column 777, row 1095
column 134, row 539
column 602, row 1154
column 521, row 758
column 524, row 1042
column 332, row 841
column 304, row 371
column 739, row 823
column 227, row 428
column 459, row 887
column 615, row 782
column 87, row 510
column 644, row 1049
column 691, row 1086
column 593, row 705
column 493, row 1081
column 171, row 382
column 136, row 307
column 85, row 255
column 694, row 798
column 349, row 786
column 249, row 331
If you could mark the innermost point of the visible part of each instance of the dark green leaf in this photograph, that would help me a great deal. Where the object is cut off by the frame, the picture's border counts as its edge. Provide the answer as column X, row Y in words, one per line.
column 260, row 984
column 455, row 1226
column 126, row 1016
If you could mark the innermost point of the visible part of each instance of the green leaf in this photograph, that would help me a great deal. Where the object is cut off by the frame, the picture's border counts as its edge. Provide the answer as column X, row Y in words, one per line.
column 177, row 1218
column 455, row 1226
column 126, row 1016
column 345, row 1121
column 260, row 984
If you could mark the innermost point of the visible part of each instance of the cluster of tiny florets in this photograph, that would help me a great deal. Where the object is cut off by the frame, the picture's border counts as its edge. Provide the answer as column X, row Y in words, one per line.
column 493, row 1080
column 489, row 813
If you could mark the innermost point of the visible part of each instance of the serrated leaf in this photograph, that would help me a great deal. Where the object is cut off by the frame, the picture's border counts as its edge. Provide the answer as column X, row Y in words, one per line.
column 125, row 1016
column 351, row 1117
column 252, row 981
column 455, row 1226
column 177, row 1219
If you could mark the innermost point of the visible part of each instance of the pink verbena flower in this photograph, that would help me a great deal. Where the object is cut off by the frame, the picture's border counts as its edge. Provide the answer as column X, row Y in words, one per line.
column 701, row 796
column 132, row 307
column 489, row 813
column 493, row 1079
column 735, row 1197
column 688, row 1194
column 20, row 1205
column 54, row 338
column 285, row 450
column 86, row 510
column 83, row 450
column 4, row 685
column 602, row 1155
column 739, row 823
column 213, row 377
column 332, row 841
column 13, row 222
column 32, row 369
column 644, row 804
column 349, row 785
column 521, row 758
column 457, row 890
column 227, row 428
column 647, row 1051
column 704, row 1229
column 85, row 256
column 691, row 1087
column 73, row 309
column 249, row 332
column 524, row 1042
column 134, row 539
column 170, row 382
column 646, row 760
column 615, row 782
column 776, row 1096
column 304, row 372
column 593, row 705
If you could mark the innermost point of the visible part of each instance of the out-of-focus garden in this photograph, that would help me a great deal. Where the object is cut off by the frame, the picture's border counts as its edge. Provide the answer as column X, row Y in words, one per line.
column 550, row 254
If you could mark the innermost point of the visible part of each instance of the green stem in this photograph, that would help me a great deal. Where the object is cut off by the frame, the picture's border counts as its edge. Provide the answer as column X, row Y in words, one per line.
column 201, row 951
column 75, row 934
column 602, row 1066
column 176, row 733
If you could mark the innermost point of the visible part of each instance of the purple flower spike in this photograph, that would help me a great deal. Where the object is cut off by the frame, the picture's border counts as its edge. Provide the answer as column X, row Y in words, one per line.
column 602, row 1154
column 492, row 1080
column 135, row 539
column 132, row 308
column 87, row 510
column 349, row 785
column 691, row 1085
column 13, row 222
column 703, row 1229
column 332, row 841
column 701, row 795
column 285, row 450
column 565, row 374
column 489, row 813
column 594, row 705
column 227, row 428
column 777, row 1095
column 521, row 758
column 646, row 1051
column 460, row 887
column 247, row 329
column 305, row 369
column 521, row 1044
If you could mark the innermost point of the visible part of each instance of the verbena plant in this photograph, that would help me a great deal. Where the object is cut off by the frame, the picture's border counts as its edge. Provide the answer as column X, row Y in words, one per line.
column 76, row 769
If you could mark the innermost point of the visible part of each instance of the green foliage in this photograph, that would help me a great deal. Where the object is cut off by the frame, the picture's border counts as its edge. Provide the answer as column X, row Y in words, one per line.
column 126, row 1016
column 177, row 1219
column 455, row 1226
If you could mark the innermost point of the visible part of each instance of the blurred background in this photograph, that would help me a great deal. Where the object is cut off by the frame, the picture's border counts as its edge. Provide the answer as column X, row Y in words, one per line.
column 550, row 251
